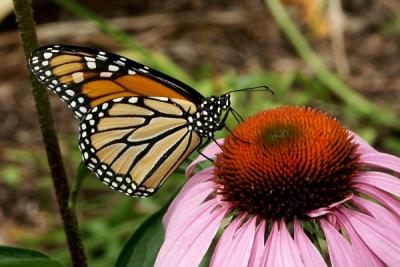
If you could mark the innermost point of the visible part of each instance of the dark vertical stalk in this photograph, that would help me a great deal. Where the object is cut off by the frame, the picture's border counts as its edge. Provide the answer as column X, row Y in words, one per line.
column 24, row 14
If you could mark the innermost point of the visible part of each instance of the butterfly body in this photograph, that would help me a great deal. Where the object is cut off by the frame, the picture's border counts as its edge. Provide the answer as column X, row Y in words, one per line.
column 137, row 125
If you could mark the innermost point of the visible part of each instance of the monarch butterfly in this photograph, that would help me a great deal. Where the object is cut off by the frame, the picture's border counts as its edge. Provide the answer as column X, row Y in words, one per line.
column 137, row 125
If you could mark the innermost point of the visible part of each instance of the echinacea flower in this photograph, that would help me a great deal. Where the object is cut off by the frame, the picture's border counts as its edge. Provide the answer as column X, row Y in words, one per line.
column 291, row 187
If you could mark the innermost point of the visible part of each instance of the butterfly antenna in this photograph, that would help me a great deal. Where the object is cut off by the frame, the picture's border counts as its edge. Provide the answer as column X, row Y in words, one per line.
column 254, row 89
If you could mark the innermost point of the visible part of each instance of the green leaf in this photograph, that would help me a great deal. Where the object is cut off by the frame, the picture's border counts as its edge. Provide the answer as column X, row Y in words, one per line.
column 143, row 246
column 20, row 257
column 30, row 263
column 81, row 174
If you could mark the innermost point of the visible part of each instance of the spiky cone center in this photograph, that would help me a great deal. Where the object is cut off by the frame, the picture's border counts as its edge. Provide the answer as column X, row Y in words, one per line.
column 285, row 162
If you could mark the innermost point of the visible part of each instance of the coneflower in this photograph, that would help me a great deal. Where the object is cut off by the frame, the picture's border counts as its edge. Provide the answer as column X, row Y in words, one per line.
column 292, row 187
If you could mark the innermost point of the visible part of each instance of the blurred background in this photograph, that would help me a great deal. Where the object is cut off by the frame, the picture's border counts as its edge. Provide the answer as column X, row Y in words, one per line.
column 345, row 61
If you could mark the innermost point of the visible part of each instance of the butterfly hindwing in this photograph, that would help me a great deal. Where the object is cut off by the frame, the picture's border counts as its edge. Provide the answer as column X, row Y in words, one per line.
column 85, row 77
column 134, row 143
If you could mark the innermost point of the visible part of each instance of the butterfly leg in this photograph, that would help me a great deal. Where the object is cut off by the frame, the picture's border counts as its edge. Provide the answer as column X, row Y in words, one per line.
column 203, row 145
column 222, row 122
column 230, row 131
column 236, row 115
column 215, row 141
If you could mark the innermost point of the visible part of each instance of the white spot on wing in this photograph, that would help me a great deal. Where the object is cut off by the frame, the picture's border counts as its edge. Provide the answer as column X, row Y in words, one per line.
column 101, row 57
column 113, row 68
column 91, row 65
column 132, row 100
column 47, row 55
column 160, row 98
column 78, row 77
column 105, row 74
column 70, row 92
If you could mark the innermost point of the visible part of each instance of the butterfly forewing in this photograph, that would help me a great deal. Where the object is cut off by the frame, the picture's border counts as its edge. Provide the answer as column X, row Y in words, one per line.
column 85, row 78
column 134, row 143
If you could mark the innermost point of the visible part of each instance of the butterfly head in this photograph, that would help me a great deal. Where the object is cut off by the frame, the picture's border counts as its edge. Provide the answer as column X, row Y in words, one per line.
column 208, row 117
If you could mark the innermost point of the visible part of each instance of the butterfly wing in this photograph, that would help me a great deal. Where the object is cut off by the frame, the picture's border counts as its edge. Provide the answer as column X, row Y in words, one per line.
column 85, row 77
column 134, row 143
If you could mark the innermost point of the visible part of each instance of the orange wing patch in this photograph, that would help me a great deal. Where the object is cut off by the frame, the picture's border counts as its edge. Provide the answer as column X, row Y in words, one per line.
column 141, row 85
column 100, row 91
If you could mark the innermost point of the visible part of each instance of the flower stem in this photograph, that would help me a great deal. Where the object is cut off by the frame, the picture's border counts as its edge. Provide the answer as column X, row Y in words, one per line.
column 24, row 15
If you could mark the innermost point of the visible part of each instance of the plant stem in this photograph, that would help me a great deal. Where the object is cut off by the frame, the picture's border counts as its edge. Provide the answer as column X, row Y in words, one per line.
column 24, row 14
column 330, row 79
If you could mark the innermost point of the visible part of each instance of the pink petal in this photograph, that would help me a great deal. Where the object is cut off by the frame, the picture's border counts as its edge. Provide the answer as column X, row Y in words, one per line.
column 186, row 245
column 257, row 251
column 210, row 152
column 327, row 210
column 227, row 235
column 283, row 250
column 289, row 252
column 377, row 211
column 193, row 193
column 381, row 180
column 365, row 257
column 340, row 250
column 235, row 245
column 267, row 247
column 364, row 147
column 382, row 160
column 271, row 257
column 382, row 240
column 309, row 253
column 384, row 198
column 319, row 212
